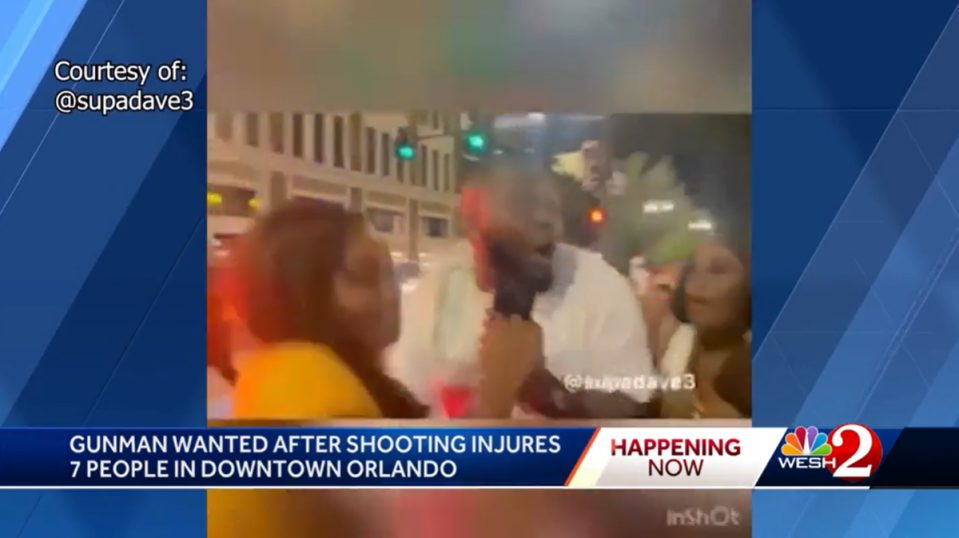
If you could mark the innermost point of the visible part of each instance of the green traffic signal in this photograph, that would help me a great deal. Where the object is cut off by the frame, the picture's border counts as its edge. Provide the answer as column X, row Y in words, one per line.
column 404, row 145
column 405, row 153
column 475, row 143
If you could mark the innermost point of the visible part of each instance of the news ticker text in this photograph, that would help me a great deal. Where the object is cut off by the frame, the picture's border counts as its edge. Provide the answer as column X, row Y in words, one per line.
column 849, row 456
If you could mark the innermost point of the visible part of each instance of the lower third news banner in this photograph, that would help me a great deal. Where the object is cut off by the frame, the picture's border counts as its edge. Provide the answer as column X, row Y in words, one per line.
column 851, row 455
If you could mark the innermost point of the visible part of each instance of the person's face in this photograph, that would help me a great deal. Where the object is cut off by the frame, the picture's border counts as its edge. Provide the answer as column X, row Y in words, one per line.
column 367, row 293
column 528, row 218
column 531, row 209
column 716, row 290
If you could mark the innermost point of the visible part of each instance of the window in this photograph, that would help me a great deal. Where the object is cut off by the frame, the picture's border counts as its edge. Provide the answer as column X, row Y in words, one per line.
column 370, row 150
column 338, row 156
column 298, row 141
column 436, row 170
column 423, row 165
column 401, row 170
column 446, row 172
column 385, row 148
column 319, row 139
column 385, row 220
column 278, row 187
column 231, row 201
column 356, row 133
column 252, row 122
column 223, row 126
column 435, row 226
column 317, row 200
column 436, row 119
column 276, row 132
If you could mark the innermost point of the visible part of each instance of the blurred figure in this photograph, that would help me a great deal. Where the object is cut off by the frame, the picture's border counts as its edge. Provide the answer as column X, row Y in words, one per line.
column 319, row 297
column 713, row 304
column 592, row 326
column 318, row 294
column 221, row 375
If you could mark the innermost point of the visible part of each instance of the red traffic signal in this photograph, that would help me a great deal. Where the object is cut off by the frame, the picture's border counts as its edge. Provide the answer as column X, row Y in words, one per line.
column 597, row 216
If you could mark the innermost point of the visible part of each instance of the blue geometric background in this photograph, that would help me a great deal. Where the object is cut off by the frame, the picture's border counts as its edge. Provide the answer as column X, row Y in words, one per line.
column 102, row 252
column 856, row 303
column 856, row 281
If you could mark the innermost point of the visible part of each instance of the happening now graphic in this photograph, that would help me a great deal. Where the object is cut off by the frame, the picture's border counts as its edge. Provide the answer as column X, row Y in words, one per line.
column 844, row 456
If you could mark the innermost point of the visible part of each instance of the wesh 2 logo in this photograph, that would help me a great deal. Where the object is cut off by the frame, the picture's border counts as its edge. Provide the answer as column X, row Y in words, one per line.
column 851, row 452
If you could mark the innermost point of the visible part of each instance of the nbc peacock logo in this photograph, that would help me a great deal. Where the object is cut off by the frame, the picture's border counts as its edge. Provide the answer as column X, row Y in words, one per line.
column 852, row 452
column 806, row 448
column 806, row 442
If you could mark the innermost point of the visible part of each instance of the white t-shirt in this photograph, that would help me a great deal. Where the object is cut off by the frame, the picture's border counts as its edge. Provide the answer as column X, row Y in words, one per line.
column 592, row 325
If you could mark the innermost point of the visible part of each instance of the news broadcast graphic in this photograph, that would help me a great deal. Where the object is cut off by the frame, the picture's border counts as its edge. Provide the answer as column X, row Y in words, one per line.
column 676, row 458
column 851, row 456
column 654, row 458
column 922, row 458
column 289, row 457
column 844, row 457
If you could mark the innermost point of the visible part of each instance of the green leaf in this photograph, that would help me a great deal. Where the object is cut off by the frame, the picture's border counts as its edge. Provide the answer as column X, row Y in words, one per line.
column 675, row 246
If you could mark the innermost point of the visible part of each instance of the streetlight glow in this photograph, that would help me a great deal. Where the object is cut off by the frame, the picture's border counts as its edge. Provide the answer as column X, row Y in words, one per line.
column 701, row 225
column 658, row 206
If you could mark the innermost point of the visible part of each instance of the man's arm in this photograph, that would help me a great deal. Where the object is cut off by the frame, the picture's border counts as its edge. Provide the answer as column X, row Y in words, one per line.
column 615, row 348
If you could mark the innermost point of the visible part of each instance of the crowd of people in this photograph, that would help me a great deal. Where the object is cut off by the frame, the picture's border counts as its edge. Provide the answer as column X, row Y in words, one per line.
column 306, row 322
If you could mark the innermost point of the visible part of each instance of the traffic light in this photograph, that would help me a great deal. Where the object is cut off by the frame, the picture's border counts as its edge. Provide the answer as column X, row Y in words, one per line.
column 475, row 142
column 597, row 216
column 477, row 138
column 403, row 146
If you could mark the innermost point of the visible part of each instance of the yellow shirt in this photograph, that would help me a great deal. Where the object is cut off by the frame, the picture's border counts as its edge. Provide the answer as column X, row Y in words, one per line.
column 297, row 382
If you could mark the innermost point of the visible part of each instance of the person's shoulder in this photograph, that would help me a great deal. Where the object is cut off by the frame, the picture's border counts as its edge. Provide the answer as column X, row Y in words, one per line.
column 597, row 277
column 299, row 381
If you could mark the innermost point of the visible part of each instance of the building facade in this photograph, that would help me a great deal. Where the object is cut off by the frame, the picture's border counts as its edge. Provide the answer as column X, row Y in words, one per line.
column 256, row 160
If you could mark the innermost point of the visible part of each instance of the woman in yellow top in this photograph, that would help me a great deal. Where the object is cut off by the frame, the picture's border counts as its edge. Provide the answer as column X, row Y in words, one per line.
column 319, row 293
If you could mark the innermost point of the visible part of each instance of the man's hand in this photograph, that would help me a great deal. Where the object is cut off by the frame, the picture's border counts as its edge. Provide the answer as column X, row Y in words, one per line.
column 510, row 349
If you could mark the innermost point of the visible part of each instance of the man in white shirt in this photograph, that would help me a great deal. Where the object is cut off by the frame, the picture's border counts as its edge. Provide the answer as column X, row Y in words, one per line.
column 596, row 363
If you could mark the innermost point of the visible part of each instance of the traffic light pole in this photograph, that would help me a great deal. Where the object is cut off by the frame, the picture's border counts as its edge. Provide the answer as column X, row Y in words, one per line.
column 407, row 148
column 412, row 129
